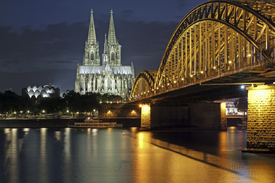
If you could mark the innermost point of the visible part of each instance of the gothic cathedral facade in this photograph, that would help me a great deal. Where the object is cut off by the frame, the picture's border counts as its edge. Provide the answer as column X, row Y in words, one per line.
column 110, row 77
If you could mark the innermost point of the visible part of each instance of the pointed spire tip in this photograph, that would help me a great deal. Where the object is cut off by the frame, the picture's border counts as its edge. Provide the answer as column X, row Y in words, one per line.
column 111, row 11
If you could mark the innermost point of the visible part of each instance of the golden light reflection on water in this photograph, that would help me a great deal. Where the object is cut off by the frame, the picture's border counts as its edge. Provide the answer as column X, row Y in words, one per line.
column 143, row 158
column 43, row 174
column 167, row 164
column 13, row 155
column 143, row 161
column 94, row 131
column 223, row 141
column 67, row 155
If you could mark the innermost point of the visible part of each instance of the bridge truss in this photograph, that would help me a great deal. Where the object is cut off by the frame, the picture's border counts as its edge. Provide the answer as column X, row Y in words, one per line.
column 215, row 39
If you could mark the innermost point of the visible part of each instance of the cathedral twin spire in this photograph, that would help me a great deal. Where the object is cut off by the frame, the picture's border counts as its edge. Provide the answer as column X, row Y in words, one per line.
column 111, row 33
column 91, row 34
column 111, row 53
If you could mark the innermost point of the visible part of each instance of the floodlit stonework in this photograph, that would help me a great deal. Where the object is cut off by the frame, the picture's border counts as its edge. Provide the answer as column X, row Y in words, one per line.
column 110, row 77
column 145, row 117
column 261, row 118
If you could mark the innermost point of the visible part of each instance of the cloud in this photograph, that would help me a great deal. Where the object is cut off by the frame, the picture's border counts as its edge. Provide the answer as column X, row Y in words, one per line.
column 127, row 13
column 59, row 47
column 181, row 4
column 35, row 48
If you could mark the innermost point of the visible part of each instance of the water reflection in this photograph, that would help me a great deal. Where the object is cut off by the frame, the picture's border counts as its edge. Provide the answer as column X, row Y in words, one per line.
column 43, row 174
column 67, row 156
column 224, row 154
column 13, row 155
column 117, row 155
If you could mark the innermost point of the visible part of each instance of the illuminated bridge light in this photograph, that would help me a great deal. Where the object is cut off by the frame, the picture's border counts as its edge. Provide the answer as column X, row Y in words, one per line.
column 223, row 44
column 234, row 42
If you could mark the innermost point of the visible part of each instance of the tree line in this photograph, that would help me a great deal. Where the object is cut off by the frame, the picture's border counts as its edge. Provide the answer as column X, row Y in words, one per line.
column 72, row 102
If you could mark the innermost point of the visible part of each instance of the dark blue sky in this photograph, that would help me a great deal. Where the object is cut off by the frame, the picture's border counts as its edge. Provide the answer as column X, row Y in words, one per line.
column 43, row 41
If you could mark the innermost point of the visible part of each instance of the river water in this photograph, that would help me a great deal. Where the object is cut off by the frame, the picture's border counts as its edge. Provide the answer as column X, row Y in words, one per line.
column 126, row 155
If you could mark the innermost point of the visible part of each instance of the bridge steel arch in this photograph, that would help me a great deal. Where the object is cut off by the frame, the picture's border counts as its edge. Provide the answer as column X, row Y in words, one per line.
column 144, row 83
column 215, row 39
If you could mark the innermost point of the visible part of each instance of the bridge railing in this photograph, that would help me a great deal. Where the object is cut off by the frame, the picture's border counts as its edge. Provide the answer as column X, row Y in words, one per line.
column 182, row 84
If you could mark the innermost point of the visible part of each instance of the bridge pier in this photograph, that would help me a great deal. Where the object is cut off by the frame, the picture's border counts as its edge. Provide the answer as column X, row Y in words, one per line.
column 145, row 117
column 194, row 115
column 261, row 119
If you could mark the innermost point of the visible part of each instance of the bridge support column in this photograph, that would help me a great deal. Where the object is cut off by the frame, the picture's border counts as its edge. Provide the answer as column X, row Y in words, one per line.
column 261, row 119
column 145, row 117
column 223, row 116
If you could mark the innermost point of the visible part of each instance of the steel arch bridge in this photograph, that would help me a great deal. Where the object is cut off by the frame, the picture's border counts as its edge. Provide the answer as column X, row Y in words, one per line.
column 215, row 39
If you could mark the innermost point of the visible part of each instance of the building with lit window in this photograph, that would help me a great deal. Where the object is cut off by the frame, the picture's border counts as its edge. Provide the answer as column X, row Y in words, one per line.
column 109, row 76
column 46, row 91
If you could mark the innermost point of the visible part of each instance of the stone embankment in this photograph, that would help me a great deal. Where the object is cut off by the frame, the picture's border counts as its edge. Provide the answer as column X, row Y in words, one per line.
column 37, row 123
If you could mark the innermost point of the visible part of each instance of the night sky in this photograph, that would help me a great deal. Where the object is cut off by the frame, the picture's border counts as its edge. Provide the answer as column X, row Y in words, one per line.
column 42, row 41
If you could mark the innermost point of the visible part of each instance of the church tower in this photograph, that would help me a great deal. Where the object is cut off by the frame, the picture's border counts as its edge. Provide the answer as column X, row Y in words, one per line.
column 91, row 56
column 113, row 48
column 109, row 78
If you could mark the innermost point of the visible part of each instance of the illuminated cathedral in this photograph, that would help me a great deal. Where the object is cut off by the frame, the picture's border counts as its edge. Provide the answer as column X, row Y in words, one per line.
column 109, row 77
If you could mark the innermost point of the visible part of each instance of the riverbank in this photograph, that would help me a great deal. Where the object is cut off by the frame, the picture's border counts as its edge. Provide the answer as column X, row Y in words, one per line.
column 38, row 123
column 57, row 123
